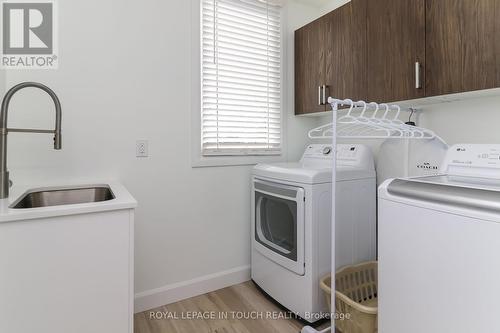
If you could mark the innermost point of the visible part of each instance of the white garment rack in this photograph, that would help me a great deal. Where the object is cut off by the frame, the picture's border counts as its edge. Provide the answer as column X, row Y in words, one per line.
column 362, row 121
column 369, row 121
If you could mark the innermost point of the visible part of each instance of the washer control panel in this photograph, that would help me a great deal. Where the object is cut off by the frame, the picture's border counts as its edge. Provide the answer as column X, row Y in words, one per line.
column 479, row 160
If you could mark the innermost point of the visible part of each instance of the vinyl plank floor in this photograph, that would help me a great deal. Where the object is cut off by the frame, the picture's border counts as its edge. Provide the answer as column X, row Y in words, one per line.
column 242, row 308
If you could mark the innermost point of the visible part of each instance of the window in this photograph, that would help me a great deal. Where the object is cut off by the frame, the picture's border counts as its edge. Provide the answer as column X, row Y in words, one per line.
column 241, row 78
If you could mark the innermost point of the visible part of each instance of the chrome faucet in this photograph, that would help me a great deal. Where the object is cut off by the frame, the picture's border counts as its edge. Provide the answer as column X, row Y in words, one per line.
column 4, row 130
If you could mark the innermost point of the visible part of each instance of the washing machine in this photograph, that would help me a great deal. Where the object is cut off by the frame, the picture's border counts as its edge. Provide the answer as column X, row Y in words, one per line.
column 291, row 223
column 439, row 246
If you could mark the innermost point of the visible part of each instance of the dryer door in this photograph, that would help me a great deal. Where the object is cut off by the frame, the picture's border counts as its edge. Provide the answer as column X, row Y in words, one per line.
column 279, row 224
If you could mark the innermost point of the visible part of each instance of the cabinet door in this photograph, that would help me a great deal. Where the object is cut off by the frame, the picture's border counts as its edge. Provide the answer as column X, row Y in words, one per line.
column 346, row 56
column 396, row 42
column 462, row 45
column 309, row 67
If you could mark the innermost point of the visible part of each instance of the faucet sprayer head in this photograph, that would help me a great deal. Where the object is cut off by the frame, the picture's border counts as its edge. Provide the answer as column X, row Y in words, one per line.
column 57, row 141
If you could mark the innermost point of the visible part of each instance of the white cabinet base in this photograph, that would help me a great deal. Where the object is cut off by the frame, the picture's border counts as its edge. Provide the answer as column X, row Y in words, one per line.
column 68, row 274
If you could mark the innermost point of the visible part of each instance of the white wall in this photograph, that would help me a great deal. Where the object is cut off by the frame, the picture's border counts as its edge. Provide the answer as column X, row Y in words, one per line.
column 330, row 5
column 2, row 82
column 125, row 75
column 471, row 120
column 297, row 15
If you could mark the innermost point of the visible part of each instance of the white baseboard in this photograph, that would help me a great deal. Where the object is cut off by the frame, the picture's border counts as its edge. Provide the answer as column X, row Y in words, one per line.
column 171, row 293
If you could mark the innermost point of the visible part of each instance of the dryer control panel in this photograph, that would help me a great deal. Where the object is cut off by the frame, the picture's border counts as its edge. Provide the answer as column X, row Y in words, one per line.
column 323, row 150
column 347, row 154
column 318, row 151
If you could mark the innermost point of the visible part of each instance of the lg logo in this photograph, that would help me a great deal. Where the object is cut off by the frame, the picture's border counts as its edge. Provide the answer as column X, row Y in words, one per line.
column 28, row 28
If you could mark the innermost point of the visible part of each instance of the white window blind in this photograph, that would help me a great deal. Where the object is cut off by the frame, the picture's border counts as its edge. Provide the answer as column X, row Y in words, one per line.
column 241, row 77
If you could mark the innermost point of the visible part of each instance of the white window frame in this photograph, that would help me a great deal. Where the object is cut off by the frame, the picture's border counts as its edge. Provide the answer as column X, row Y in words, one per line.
column 197, row 157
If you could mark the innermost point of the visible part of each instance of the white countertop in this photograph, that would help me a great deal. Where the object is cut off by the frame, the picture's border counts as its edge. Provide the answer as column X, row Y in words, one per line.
column 123, row 200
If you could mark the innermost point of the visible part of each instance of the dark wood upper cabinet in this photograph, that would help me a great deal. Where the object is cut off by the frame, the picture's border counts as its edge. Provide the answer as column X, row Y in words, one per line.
column 396, row 43
column 331, row 52
column 462, row 45
column 310, row 66
column 395, row 50
column 346, row 51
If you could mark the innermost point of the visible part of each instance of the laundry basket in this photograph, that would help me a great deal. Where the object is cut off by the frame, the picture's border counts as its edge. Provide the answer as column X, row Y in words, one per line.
column 355, row 298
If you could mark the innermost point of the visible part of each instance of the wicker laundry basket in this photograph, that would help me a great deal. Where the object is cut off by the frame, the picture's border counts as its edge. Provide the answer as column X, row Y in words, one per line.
column 355, row 298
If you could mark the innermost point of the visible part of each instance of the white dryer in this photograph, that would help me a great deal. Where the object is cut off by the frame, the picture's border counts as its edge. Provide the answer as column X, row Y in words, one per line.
column 439, row 247
column 291, row 223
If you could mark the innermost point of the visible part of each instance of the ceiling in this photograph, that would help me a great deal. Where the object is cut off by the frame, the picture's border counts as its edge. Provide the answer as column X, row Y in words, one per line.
column 315, row 3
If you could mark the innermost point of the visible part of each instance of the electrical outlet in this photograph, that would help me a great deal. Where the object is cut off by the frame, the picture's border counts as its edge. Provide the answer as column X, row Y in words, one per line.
column 141, row 148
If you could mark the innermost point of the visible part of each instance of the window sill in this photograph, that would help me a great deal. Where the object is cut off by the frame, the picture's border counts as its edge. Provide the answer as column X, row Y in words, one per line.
column 225, row 161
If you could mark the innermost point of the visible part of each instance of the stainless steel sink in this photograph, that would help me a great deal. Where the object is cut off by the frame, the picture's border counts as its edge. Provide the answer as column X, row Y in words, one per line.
column 63, row 196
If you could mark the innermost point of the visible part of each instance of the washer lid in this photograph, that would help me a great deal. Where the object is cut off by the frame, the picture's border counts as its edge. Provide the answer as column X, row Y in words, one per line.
column 307, row 174
column 480, row 194
column 461, row 181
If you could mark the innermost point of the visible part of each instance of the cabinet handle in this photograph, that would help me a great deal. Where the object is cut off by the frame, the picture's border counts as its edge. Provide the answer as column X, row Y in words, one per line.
column 418, row 84
column 319, row 96
column 324, row 94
